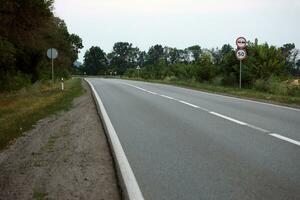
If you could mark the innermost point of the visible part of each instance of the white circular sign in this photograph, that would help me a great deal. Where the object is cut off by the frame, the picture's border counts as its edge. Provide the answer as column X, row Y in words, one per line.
column 241, row 54
column 241, row 42
column 52, row 53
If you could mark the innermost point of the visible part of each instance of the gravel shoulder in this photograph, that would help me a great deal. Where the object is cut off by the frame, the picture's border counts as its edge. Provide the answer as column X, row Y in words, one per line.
column 65, row 156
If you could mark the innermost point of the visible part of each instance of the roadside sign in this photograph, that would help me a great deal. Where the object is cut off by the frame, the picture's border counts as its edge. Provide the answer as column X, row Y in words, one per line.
column 138, row 69
column 241, row 43
column 241, row 54
column 52, row 53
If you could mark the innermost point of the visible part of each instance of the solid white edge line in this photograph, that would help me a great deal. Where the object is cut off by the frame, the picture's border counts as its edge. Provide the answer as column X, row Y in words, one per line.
column 130, row 183
column 285, row 138
column 228, row 118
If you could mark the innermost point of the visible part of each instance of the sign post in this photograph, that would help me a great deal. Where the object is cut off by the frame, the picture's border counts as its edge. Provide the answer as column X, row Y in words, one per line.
column 138, row 69
column 52, row 54
column 241, row 54
column 62, row 84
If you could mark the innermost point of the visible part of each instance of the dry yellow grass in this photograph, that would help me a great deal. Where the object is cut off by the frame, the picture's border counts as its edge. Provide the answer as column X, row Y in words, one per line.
column 18, row 112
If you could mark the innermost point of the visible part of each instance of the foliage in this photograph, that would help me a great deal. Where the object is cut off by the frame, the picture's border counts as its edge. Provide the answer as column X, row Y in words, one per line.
column 27, row 29
column 265, row 68
column 95, row 61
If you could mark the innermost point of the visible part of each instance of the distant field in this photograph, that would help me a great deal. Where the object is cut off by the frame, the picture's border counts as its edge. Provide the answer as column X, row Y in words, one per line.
column 292, row 101
column 20, row 111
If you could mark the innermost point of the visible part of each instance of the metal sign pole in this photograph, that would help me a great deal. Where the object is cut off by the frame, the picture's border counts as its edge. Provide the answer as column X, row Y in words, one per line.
column 52, row 71
column 240, row 74
column 52, row 54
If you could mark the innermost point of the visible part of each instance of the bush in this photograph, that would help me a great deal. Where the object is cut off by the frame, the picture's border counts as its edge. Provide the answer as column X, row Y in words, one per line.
column 14, row 82
column 294, row 91
column 171, row 78
column 275, row 86
column 218, row 81
column 230, row 80
column 260, row 85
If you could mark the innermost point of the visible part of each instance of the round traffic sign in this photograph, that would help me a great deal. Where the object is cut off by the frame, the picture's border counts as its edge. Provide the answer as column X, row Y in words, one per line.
column 241, row 54
column 52, row 53
column 241, row 42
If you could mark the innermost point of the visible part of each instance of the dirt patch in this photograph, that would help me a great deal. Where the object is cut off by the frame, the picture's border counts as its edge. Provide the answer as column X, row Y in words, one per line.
column 64, row 157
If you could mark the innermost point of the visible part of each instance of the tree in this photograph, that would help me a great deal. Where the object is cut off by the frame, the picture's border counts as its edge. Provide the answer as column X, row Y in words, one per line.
column 123, row 56
column 173, row 55
column 95, row 61
column 195, row 51
column 205, row 69
column 27, row 29
column 142, row 58
column 297, row 68
column 155, row 53
column 76, row 43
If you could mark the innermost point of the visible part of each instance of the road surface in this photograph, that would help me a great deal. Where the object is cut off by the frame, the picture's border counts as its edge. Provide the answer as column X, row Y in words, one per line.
column 185, row 144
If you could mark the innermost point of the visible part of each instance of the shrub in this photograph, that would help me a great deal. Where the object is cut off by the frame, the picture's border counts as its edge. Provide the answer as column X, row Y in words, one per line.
column 14, row 82
column 260, row 85
column 275, row 86
column 171, row 78
column 218, row 81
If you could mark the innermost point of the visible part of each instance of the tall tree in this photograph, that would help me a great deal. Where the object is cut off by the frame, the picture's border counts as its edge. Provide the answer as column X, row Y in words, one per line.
column 95, row 61
column 27, row 29
column 155, row 53
column 195, row 51
column 76, row 43
column 123, row 56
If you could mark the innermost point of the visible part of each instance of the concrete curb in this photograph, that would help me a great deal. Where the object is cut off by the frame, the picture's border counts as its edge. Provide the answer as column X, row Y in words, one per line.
column 129, row 185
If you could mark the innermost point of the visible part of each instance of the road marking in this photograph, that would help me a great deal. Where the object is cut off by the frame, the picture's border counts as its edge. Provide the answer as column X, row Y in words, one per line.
column 167, row 97
column 130, row 183
column 258, row 128
column 226, row 117
column 151, row 92
column 235, row 98
column 189, row 104
column 285, row 138
column 229, row 118
column 154, row 93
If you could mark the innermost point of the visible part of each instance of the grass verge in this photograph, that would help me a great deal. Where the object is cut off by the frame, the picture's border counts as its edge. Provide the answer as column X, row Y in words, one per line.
column 20, row 111
column 252, row 94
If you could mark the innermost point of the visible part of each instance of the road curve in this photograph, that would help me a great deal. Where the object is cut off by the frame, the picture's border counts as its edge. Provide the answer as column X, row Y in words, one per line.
column 185, row 144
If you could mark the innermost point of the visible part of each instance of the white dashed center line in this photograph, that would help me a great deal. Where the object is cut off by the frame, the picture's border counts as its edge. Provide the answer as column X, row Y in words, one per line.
column 228, row 118
column 189, row 104
column 285, row 138
column 222, row 116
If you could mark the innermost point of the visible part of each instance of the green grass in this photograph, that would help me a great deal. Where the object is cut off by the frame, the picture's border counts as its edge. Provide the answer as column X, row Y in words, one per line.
column 39, row 195
column 20, row 111
column 252, row 94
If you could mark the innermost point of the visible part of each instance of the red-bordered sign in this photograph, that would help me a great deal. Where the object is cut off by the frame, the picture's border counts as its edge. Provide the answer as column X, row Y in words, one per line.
column 241, row 54
column 241, row 43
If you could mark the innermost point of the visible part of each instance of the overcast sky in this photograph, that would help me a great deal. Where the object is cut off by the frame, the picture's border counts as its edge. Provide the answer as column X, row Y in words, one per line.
column 180, row 23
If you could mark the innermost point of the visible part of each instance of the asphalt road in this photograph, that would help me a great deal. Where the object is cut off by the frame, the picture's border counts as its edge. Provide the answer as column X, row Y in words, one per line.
column 185, row 144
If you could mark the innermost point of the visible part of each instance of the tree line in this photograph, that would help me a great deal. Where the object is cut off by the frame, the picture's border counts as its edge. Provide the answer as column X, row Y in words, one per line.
column 27, row 29
column 265, row 65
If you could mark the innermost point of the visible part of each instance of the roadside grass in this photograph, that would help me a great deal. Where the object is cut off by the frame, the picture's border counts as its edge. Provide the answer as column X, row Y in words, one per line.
column 291, row 101
column 39, row 195
column 21, row 110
